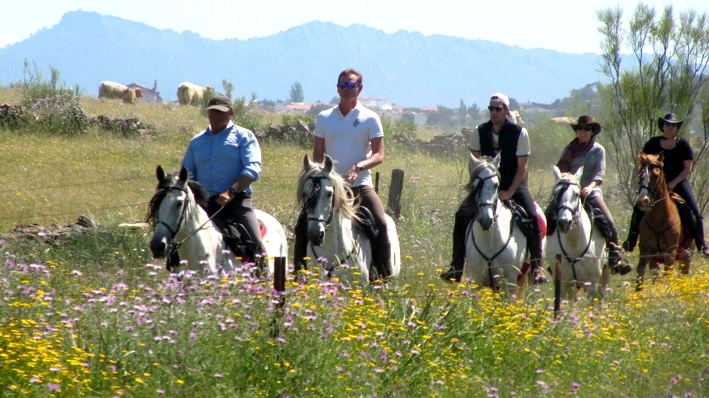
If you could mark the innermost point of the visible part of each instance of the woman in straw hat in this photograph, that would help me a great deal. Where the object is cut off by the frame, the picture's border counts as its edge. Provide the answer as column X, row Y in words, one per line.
column 585, row 152
column 678, row 161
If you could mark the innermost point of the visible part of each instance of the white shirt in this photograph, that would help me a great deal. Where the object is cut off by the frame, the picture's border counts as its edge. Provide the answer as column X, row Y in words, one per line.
column 347, row 138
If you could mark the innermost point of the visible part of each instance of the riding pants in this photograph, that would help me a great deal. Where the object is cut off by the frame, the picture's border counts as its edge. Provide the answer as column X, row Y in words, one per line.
column 240, row 210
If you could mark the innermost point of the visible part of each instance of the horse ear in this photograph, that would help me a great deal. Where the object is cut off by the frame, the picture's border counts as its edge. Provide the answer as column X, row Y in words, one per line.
column 160, row 173
column 472, row 163
column 661, row 156
column 557, row 174
column 184, row 175
column 496, row 161
column 328, row 163
column 307, row 165
column 578, row 174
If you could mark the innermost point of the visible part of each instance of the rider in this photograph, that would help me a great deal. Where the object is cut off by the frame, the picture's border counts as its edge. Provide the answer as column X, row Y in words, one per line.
column 353, row 137
column 226, row 159
column 585, row 152
column 511, row 142
column 679, row 157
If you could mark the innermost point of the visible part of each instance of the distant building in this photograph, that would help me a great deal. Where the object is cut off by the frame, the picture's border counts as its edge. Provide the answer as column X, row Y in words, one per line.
column 292, row 107
column 150, row 95
column 376, row 103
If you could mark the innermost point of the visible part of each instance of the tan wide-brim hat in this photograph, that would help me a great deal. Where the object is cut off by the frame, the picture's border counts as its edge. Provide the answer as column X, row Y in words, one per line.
column 587, row 121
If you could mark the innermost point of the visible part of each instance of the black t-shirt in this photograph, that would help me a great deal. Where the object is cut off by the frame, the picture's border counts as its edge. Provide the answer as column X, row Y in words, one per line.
column 674, row 158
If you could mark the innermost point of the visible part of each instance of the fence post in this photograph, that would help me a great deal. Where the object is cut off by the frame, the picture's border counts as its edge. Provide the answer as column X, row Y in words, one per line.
column 395, row 189
column 557, row 286
column 279, row 286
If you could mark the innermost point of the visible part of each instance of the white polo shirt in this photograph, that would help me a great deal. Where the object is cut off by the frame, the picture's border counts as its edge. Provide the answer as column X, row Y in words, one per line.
column 347, row 138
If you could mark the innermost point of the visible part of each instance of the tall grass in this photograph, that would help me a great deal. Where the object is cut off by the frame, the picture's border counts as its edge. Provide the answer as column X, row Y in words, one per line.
column 92, row 315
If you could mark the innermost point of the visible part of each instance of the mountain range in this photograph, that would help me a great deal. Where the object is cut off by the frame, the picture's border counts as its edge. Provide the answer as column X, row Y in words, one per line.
column 406, row 68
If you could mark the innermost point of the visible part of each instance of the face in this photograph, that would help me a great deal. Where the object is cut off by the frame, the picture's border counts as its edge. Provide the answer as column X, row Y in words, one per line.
column 670, row 129
column 347, row 93
column 584, row 133
column 498, row 113
column 218, row 120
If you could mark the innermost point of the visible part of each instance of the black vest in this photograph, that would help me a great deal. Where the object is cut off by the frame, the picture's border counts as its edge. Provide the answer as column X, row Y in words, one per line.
column 508, row 138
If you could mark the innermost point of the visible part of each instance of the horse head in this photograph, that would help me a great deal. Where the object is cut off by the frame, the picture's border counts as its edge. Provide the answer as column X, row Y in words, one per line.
column 651, row 180
column 484, row 189
column 567, row 198
column 322, row 193
column 167, row 209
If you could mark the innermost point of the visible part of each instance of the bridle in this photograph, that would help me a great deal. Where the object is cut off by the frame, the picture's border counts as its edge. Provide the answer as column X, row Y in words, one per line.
column 476, row 194
column 576, row 216
column 563, row 186
column 174, row 245
column 313, row 198
column 644, row 177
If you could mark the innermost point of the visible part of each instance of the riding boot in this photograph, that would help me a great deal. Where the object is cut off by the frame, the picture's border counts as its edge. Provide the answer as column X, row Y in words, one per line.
column 633, row 230
column 381, row 254
column 455, row 270
column 300, row 249
column 616, row 266
column 551, row 217
column 699, row 237
column 534, row 244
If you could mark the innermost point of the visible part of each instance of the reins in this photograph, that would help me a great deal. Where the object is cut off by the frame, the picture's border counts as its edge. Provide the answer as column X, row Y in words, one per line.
column 174, row 245
column 574, row 221
column 491, row 259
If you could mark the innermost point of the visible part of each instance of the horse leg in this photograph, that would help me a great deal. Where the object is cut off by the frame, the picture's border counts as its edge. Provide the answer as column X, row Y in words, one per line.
column 685, row 262
column 642, row 266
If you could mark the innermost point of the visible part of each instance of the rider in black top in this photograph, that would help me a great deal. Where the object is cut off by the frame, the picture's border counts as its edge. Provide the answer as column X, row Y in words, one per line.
column 678, row 159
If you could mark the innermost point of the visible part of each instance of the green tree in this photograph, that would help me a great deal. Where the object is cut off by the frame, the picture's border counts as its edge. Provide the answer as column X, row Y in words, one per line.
column 667, row 73
column 296, row 93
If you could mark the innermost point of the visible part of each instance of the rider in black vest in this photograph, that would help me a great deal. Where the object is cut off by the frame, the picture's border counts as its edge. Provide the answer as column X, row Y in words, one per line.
column 508, row 138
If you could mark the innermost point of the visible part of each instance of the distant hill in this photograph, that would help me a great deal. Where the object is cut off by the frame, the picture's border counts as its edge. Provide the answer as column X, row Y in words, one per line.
column 406, row 68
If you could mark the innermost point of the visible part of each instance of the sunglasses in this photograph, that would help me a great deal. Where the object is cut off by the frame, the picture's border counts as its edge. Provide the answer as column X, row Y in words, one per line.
column 349, row 85
column 584, row 128
column 496, row 108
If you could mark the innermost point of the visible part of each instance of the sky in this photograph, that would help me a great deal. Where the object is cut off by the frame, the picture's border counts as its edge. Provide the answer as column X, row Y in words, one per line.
column 568, row 26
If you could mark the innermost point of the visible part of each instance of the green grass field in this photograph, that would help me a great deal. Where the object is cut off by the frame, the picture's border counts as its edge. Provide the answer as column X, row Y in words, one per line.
column 92, row 315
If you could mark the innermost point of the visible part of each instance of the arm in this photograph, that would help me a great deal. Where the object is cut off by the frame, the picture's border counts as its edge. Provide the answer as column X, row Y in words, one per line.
column 600, row 173
column 522, row 164
column 376, row 159
column 684, row 174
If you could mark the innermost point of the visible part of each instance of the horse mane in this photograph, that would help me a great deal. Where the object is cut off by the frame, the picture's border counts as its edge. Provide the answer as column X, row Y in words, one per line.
column 566, row 179
column 343, row 198
column 648, row 158
column 201, row 195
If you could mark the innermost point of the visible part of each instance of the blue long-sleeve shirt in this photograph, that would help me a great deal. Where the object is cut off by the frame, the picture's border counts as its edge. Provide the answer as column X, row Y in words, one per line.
column 218, row 160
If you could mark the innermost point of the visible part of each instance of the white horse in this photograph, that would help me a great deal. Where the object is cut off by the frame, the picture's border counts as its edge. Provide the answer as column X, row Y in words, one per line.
column 180, row 222
column 334, row 239
column 581, row 245
column 495, row 246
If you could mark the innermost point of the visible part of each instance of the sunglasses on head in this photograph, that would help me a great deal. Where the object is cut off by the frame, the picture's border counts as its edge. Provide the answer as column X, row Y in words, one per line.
column 584, row 128
column 349, row 85
column 495, row 108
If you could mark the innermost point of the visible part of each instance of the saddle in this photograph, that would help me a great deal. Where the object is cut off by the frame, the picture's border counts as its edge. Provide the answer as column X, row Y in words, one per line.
column 686, row 215
column 366, row 223
column 524, row 221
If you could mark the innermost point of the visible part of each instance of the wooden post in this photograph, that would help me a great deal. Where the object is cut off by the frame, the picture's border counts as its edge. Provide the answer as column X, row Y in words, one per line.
column 279, row 287
column 557, row 286
column 395, row 189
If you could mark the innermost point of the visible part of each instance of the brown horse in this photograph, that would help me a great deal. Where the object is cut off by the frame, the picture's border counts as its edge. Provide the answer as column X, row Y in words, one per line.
column 662, row 238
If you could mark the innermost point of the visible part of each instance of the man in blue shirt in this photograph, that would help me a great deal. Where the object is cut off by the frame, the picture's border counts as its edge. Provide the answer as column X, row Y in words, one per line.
column 226, row 159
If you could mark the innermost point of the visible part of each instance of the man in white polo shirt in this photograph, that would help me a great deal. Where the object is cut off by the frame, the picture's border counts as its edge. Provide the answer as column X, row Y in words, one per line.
column 353, row 137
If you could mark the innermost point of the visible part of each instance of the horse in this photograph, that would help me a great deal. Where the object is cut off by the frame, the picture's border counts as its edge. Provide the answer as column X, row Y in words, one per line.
column 581, row 245
column 662, row 237
column 496, row 247
column 179, row 222
column 334, row 237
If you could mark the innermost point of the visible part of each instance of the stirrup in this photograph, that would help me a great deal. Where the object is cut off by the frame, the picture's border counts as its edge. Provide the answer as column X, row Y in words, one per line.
column 452, row 275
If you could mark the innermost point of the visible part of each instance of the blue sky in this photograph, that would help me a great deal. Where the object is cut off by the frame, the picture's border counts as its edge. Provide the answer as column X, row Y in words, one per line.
column 562, row 25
